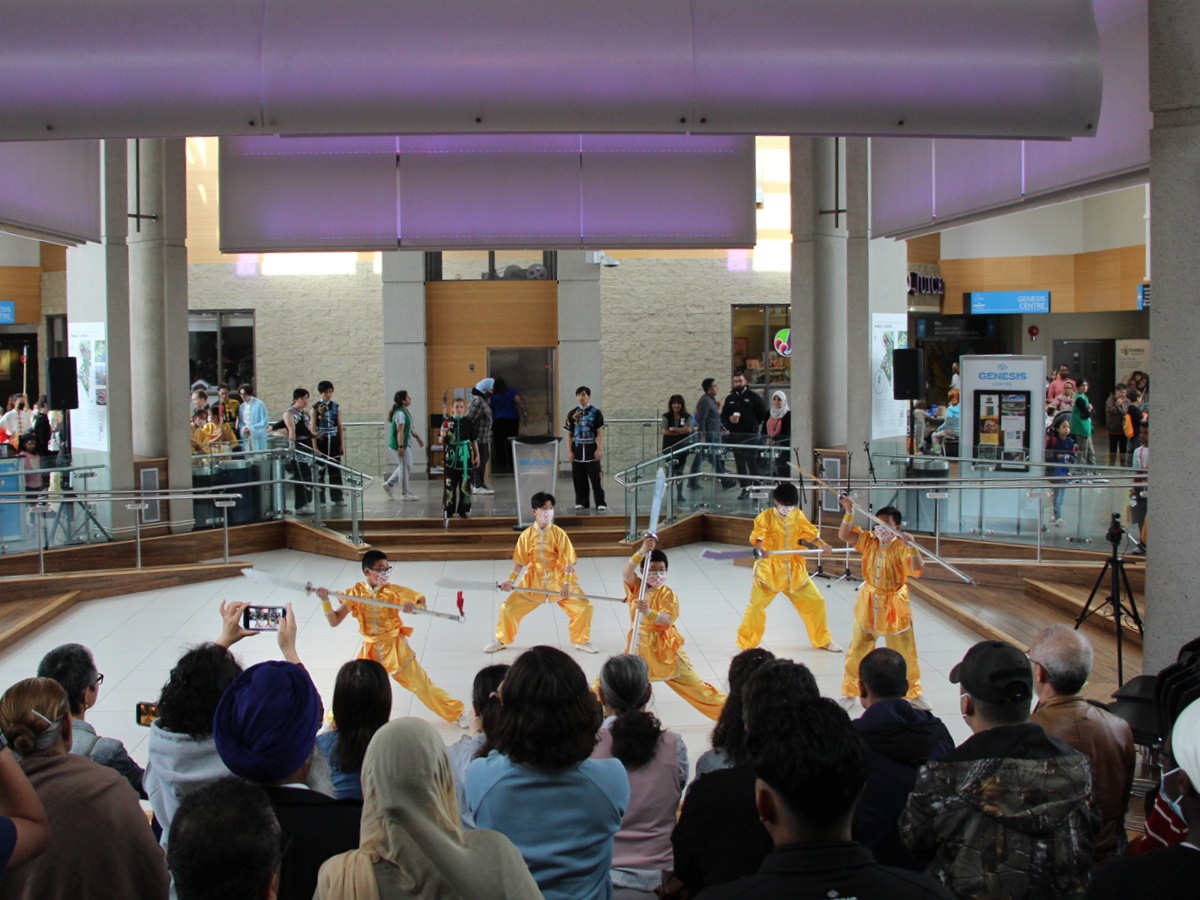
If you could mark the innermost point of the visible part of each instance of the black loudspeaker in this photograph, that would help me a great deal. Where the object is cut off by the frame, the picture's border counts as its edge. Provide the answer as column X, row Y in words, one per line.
column 908, row 374
column 63, row 390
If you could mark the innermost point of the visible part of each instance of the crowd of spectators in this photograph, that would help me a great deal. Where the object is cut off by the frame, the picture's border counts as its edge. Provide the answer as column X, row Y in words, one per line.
column 566, row 789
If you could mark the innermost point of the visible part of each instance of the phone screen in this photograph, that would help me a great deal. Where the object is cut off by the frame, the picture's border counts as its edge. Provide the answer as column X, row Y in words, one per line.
column 263, row 618
column 146, row 712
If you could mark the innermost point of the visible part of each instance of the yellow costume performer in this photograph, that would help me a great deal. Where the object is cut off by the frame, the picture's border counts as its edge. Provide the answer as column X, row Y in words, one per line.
column 550, row 558
column 384, row 640
column 788, row 574
column 660, row 645
column 883, row 608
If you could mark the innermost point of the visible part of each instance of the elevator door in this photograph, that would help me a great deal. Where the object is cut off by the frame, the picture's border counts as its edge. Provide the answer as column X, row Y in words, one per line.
column 530, row 372
column 1095, row 361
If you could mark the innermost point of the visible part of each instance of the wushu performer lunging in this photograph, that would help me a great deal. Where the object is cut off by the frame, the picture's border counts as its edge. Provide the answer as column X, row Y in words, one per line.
column 385, row 635
column 659, row 642
column 546, row 555
column 783, row 527
column 889, row 559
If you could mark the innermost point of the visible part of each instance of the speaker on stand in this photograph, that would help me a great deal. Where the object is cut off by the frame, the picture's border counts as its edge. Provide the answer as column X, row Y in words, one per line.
column 908, row 383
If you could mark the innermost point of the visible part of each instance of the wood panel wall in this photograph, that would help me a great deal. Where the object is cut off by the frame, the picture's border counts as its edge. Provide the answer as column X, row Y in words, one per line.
column 464, row 318
column 926, row 249
column 23, row 285
column 1101, row 281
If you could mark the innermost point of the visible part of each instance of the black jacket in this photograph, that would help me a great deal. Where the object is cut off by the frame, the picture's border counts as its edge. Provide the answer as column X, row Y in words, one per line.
column 719, row 836
column 314, row 827
column 752, row 407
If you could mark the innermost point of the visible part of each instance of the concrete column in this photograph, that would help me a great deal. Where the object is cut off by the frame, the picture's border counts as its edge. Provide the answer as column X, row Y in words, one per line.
column 98, row 291
column 803, row 291
column 578, row 358
column 1172, row 614
column 404, row 335
column 858, row 303
column 158, row 311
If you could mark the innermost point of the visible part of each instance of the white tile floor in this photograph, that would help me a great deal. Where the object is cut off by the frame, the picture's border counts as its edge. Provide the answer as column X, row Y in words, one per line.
column 137, row 638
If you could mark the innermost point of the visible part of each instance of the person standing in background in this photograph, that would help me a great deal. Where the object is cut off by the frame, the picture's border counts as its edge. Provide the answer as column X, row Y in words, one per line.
column 955, row 378
column 1081, row 426
column 1114, row 421
column 708, row 430
column 400, row 436
column 252, row 420
column 479, row 414
column 677, row 427
column 779, row 433
column 508, row 414
column 743, row 414
column 331, row 436
column 585, row 443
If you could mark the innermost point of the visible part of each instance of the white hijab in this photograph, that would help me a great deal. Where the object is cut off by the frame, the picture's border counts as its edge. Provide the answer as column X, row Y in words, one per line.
column 784, row 409
column 410, row 820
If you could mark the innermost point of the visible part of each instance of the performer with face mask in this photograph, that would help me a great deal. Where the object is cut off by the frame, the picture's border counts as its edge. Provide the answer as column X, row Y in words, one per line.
column 546, row 550
column 659, row 642
column 783, row 527
column 385, row 635
column 888, row 561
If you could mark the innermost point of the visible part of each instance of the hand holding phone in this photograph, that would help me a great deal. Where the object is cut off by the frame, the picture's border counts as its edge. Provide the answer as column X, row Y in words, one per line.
column 262, row 618
column 145, row 712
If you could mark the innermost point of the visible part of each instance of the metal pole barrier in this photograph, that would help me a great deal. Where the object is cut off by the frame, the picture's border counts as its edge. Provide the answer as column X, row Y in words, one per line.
column 137, row 528
column 937, row 497
column 1041, row 497
column 224, row 506
column 41, row 510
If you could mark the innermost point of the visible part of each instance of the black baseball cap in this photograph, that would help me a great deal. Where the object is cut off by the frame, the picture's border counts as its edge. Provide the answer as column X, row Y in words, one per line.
column 995, row 672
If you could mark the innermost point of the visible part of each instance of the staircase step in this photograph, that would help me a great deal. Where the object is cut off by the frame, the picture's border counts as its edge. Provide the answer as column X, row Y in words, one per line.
column 21, row 617
column 1071, row 598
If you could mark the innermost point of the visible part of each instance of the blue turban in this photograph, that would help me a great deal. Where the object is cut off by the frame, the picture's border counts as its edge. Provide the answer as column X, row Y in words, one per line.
column 485, row 385
column 266, row 724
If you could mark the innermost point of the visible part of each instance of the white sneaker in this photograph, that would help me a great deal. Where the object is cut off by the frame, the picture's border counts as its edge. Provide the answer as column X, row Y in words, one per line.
column 832, row 647
column 1060, row 521
column 586, row 647
column 409, row 496
column 920, row 703
column 482, row 490
column 847, row 703
column 389, row 490
column 602, row 508
column 494, row 646
column 580, row 506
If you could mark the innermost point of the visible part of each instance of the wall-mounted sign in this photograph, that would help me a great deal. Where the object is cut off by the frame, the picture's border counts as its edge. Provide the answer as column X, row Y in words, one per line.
column 1010, row 302
column 1143, row 296
column 925, row 284
column 8, row 312
column 783, row 342
column 955, row 327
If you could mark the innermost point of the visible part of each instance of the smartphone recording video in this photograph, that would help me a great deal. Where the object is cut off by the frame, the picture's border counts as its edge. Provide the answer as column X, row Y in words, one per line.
column 263, row 618
column 146, row 713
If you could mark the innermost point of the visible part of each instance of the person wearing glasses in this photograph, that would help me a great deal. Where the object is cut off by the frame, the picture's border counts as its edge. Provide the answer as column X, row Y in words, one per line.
column 72, row 666
column 385, row 635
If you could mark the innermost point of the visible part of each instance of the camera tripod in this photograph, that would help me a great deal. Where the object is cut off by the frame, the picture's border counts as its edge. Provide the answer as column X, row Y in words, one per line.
column 1114, row 568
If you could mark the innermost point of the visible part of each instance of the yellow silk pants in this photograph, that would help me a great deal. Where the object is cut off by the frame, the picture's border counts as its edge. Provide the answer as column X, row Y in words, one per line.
column 519, row 604
column 863, row 642
column 806, row 599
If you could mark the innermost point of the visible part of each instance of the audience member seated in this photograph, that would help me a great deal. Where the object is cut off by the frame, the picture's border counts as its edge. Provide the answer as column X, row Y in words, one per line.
column 1172, row 872
column 1062, row 662
column 485, row 711
column 72, row 666
column 362, row 704
column 1009, row 812
column 811, row 768
column 24, row 828
column 539, row 785
column 412, row 845
column 899, row 739
column 729, row 734
column 719, row 836
column 265, row 729
column 100, row 842
column 182, row 755
column 225, row 844
column 656, row 762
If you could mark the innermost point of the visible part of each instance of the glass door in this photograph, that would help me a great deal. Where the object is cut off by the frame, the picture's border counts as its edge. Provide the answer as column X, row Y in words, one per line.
column 762, row 346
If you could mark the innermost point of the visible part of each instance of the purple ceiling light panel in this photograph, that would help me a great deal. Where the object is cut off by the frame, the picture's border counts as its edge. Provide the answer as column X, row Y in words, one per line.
column 962, row 68
column 52, row 190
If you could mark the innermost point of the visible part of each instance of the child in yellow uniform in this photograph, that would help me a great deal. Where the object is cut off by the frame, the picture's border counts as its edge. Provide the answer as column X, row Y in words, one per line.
column 659, row 641
column 550, row 557
column 882, row 609
column 384, row 634
column 783, row 527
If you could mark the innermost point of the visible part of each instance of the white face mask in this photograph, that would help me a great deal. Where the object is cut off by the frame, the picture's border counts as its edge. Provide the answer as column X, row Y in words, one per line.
column 543, row 516
column 382, row 578
column 886, row 535
column 656, row 579
column 784, row 511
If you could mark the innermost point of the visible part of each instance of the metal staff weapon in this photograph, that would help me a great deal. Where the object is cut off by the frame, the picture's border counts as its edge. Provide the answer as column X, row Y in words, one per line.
column 660, row 488
column 495, row 586
column 748, row 552
column 309, row 588
column 933, row 556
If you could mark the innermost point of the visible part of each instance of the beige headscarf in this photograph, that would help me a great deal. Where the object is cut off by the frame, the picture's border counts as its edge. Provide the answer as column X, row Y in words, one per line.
column 410, row 820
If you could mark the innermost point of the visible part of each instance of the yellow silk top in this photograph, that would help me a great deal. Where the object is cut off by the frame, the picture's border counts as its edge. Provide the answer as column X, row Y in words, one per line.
column 382, row 630
column 657, row 644
column 203, row 437
column 782, row 573
column 883, row 605
column 547, row 554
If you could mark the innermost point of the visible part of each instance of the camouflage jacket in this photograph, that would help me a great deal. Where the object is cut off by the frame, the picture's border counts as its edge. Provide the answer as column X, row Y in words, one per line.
column 1009, row 813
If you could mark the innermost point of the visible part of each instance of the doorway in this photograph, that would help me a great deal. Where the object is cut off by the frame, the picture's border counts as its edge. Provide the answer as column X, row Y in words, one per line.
column 1095, row 361
column 17, row 376
column 530, row 372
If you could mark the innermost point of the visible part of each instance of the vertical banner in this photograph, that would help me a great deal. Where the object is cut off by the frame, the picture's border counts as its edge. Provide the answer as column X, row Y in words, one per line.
column 1132, row 356
column 86, row 341
column 1006, row 423
column 535, row 468
column 889, row 418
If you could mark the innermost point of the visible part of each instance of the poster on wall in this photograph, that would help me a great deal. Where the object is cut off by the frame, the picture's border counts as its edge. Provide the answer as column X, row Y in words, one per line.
column 889, row 418
column 1000, row 422
column 1132, row 356
column 87, row 342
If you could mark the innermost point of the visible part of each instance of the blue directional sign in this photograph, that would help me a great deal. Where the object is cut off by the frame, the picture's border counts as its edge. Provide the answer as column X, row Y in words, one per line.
column 8, row 312
column 1013, row 302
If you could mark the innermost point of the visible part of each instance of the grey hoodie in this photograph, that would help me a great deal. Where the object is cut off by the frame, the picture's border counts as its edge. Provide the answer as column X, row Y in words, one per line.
column 178, row 764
